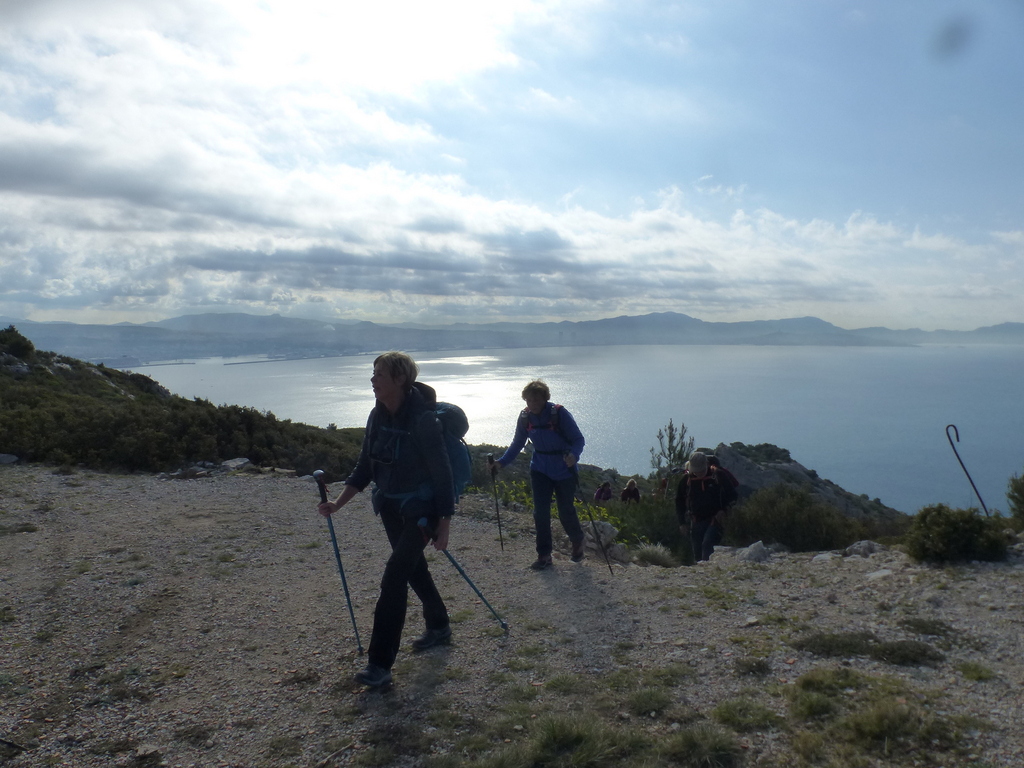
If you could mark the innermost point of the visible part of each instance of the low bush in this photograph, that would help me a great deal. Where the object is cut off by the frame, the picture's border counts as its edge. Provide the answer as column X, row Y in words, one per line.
column 941, row 534
column 1015, row 498
column 791, row 516
column 67, row 412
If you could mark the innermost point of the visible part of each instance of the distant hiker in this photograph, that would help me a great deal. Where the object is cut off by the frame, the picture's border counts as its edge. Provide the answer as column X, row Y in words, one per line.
column 630, row 493
column 557, row 445
column 404, row 455
column 714, row 462
column 603, row 493
column 703, row 496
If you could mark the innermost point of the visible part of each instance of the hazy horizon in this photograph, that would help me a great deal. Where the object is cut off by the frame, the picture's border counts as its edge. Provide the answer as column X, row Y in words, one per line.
column 4, row 318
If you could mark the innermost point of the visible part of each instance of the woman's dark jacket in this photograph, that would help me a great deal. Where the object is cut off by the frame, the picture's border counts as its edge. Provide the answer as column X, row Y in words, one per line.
column 405, row 455
column 703, row 497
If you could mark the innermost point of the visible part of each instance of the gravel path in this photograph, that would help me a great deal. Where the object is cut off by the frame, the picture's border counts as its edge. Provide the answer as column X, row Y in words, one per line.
column 202, row 623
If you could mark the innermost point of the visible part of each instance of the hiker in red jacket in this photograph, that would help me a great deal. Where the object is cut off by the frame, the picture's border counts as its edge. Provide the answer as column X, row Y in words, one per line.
column 702, row 498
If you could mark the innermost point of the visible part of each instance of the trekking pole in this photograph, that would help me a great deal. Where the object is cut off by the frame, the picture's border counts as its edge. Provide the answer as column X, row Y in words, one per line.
column 319, row 477
column 957, row 454
column 597, row 537
column 494, row 485
column 430, row 536
column 593, row 522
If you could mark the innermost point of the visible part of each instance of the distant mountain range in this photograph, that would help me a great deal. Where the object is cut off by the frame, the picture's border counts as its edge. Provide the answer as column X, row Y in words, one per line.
column 235, row 335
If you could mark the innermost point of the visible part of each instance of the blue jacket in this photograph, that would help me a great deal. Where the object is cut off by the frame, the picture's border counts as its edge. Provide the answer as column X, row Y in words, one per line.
column 549, row 444
column 405, row 454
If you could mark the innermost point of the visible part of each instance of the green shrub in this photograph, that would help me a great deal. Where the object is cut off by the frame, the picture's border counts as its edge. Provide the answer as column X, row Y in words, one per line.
column 652, row 521
column 836, row 644
column 791, row 516
column 1015, row 498
column 810, row 705
column 67, row 412
column 13, row 343
column 906, row 653
column 972, row 670
column 829, row 680
column 940, row 534
column 764, row 453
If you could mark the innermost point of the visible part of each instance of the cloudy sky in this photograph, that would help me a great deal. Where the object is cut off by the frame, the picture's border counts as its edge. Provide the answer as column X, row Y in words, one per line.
column 461, row 160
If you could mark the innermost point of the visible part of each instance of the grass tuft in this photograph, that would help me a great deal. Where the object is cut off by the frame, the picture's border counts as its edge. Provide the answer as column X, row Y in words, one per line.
column 703, row 746
column 657, row 555
column 745, row 715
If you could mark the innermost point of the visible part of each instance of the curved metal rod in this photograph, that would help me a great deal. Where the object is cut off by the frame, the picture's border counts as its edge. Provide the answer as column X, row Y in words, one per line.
column 957, row 454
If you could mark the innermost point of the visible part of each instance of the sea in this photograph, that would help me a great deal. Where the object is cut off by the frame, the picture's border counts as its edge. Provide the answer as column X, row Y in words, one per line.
column 874, row 420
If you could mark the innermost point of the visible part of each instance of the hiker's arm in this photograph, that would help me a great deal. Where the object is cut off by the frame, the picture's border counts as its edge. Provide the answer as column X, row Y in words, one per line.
column 518, row 443
column 362, row 472
column 572, row 434
column 728, row 496
column 328, row 508
column 681, row 504
column 434, row 455
column 441, row 535
column 356, row 481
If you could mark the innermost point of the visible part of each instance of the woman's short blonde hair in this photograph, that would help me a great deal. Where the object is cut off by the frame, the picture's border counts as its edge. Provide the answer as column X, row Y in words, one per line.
column 537, row 388
column 398, row 364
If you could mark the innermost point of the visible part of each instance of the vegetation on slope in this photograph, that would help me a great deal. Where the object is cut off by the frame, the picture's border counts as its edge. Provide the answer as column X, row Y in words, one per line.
column 59, row 410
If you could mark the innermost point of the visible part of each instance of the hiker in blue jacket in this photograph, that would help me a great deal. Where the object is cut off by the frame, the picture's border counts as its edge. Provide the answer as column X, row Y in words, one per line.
column 557, row 445
column 404, row 455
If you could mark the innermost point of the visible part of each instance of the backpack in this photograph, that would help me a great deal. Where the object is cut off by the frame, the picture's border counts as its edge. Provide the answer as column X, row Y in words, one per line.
column 454, row 426
column 553, row 424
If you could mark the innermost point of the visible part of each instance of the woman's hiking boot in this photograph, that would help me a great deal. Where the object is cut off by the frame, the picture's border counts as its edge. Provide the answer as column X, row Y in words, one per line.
column 543, row 562
column 579, row 551
column 374, row 676
column 433, row 637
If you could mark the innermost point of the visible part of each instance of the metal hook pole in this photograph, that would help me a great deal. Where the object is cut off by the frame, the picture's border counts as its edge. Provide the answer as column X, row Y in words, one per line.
column 957, row 454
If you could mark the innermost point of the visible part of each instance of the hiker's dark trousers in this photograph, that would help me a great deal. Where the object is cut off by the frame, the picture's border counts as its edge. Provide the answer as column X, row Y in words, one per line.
column 543, row 488
column 407, row 567
column 704, row 536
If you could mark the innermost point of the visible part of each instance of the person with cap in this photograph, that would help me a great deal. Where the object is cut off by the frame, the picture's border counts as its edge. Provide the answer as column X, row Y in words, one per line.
column 702, row 499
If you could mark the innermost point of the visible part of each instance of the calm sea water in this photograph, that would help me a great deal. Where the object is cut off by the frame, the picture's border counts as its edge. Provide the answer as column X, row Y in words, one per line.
column 870, row 419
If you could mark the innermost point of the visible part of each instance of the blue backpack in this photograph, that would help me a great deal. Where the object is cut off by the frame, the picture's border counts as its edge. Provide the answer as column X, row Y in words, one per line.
column 454, row 426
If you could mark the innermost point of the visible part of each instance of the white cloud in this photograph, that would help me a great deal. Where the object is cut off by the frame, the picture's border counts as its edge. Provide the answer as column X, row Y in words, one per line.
column 297, row 157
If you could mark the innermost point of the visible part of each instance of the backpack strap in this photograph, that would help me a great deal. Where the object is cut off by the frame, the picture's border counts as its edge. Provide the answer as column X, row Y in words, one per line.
column 553, row 425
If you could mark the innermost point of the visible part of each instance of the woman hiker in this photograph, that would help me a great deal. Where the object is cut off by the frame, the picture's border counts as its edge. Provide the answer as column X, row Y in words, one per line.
column 404, row 455
column 557, row 445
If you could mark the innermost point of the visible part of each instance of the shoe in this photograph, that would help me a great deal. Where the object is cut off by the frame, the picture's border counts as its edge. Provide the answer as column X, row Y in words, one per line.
column 374, row 676
column 433, row 637
column 579, row 551
column 543, row 562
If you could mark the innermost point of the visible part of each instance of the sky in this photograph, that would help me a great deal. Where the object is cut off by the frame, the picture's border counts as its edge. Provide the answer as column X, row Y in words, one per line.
column 522, row 160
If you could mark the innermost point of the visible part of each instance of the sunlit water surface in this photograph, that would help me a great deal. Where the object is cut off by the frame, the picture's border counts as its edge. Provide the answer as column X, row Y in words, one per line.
column 870, row 419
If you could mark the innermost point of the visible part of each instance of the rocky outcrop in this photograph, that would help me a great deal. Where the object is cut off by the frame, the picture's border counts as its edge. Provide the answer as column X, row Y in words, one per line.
column 753, row 476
